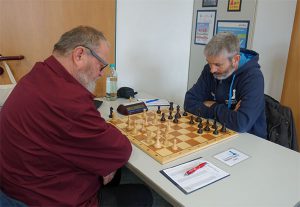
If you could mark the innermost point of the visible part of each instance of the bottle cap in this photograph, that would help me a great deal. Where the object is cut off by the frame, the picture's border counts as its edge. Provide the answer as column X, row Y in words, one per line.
column 112, row 65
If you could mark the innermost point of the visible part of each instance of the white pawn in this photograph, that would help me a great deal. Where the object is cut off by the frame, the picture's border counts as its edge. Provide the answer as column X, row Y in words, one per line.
column 134, row 132
column 175, row 145
column 157, row 143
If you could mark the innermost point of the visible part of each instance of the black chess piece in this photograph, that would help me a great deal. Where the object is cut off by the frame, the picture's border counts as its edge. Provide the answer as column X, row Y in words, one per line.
column 192, row 120
column 216, row 131
column 171, row 108
column 184, row 113
column 215, row 124
column 178, row 112
column 158, row 110
column 111, row 109
column 198, row 119
column 175, row 119
column 223, row 128
column 200, row 125
column 200, row 131
column 170, row 115
column 163, row 117
column 207, row 128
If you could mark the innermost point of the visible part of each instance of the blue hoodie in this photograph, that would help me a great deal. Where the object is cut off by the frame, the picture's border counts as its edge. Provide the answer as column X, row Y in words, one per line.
column 246, row 85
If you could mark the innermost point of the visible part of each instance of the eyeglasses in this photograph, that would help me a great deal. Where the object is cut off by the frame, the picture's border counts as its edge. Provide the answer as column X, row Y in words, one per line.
column 97, row 57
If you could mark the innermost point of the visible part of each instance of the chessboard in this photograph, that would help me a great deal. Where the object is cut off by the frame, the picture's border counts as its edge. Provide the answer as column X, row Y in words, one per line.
column 165, row 140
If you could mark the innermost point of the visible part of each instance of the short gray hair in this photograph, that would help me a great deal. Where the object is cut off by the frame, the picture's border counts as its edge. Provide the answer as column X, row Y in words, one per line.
column 223, row 43
column 81, row 35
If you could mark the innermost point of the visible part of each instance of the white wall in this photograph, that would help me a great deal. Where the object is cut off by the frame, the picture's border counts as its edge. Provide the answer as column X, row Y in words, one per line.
column 153, row 46
column 154, row 36
column 272, row 36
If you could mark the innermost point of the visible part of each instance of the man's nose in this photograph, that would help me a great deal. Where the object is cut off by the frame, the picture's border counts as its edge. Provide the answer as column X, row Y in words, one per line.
column 213, row 69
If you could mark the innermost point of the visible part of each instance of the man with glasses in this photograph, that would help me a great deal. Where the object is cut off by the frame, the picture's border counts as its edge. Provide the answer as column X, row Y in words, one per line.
column 230, row 88
column 56, row 149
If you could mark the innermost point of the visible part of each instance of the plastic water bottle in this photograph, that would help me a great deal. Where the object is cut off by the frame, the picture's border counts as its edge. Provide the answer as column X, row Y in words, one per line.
column 111, row 84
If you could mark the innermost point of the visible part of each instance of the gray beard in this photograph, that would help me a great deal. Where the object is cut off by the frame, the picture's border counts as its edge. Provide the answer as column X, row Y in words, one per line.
column 224, row 76
column 83, row 79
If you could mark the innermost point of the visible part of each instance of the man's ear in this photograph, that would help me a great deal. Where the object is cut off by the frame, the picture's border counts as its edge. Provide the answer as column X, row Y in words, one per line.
column 78, row 55
column 235, row 61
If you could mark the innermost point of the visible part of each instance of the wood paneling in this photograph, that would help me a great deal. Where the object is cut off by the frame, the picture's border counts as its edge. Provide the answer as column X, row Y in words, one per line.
column 291, row 88
column 32, row 27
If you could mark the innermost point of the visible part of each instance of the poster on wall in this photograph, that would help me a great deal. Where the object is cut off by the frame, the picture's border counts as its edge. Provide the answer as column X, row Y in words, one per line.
column 234, row 5
column 239, row 28
column 205, row 26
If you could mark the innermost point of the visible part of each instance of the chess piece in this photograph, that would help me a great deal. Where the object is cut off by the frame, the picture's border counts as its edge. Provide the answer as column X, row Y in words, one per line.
column 111, row 109
column 200, row 131
column 144, row 114
column 143, row 129
column 158, row 110
column 178, row 112
column 149, row 137
column 128, row 125
column 168, row 127
column 198, row 119
column 174, row 147
column 184, row 113
column 135, row 131
column 157, row 144
column 171, row 108
column 207, row 128
column 215, row 124
column 163, row 117
column 216, row 131
column 175, row 120
column 223, row 128
column 170, row 115
column 192, row 120
column 200, row 125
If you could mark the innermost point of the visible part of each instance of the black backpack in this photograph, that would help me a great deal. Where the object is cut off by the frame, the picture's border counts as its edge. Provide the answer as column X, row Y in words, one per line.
column 280, row 124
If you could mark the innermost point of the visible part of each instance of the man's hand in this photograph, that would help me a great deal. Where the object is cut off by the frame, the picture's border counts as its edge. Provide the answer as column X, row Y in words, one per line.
column 208, row 103
column 108, row 178
column 237, row 106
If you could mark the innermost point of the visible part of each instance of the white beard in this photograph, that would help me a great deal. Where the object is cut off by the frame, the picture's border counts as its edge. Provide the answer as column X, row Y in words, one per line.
column 224, row 76
column 83, row 79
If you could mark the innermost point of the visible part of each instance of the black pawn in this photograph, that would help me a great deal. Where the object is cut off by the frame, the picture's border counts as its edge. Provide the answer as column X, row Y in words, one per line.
column 178, row 112
column 200, row 131
column 192, row 120
column 200, row 125
column 215, row 124
column 171, row 106
column 111, row 109
column 216, row 131
column 184, row 113
column 175, row 119
column 207, row 128
column 163, row 117
column 198, row 119
column 223, row 128
column 170, row 115
column 158, row 110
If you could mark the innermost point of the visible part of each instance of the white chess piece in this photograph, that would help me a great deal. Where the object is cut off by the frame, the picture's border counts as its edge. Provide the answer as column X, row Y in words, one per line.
column 174, row 147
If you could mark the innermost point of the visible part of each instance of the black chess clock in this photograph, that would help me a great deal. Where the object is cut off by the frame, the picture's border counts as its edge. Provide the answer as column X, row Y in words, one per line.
column 132, row 108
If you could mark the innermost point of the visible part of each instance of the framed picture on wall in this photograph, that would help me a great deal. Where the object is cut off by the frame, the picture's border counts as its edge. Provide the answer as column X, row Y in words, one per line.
column 234, row 5
column 209, row 3
column 239, row 28
column 205, row 26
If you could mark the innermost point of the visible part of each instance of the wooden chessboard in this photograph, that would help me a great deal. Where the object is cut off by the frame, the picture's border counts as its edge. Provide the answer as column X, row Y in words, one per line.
column 187, row 138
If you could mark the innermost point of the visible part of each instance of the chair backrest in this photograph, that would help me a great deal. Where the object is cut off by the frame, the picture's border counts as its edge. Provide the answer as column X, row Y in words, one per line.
column 280, row 124
column 7, row 201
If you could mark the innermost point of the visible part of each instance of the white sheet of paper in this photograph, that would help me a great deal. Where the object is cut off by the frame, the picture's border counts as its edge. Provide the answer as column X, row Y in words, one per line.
column 231, row 157
column 200, row 178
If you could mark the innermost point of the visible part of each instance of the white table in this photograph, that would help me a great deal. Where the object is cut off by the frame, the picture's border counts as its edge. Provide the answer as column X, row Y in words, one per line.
column 270, row 177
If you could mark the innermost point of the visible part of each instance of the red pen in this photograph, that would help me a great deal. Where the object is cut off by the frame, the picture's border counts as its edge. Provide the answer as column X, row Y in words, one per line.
column 201, row 165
